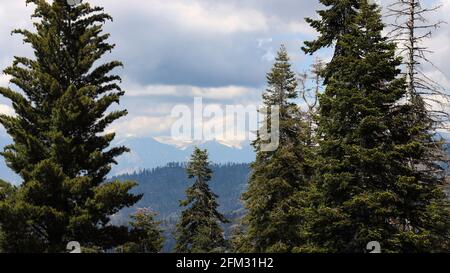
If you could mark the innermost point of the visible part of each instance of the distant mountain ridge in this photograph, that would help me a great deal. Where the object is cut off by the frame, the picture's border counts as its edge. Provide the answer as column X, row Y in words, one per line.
column 164, row 187
column 148, row 153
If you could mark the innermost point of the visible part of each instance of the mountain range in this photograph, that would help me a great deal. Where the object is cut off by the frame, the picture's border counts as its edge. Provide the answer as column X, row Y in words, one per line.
column 149, row 153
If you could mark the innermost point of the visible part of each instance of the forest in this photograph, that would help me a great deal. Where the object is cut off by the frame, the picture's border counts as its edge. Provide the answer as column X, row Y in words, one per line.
column 362, row 152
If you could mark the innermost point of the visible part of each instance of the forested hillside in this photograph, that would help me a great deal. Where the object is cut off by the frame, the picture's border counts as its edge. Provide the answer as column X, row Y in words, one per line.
column 164, row 187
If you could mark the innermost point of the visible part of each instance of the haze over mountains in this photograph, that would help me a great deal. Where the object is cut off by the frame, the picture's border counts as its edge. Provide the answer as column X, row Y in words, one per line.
column 148, row 153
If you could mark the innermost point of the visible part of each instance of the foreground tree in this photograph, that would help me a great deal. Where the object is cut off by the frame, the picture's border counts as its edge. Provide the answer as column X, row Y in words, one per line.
column 332, row 26
column 199, row 228
column 278, row 174
column 6, row 190
column 367, row 189
column 411, row 27
column 59, row 146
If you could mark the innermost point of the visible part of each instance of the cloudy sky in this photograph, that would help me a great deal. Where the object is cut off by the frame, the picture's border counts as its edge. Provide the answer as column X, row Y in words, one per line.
column 175, row 50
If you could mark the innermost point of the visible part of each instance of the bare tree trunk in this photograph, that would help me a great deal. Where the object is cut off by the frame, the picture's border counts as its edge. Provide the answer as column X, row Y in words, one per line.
column 412, row 45
column 410, row 28
column 310, row 96
column 429, row 99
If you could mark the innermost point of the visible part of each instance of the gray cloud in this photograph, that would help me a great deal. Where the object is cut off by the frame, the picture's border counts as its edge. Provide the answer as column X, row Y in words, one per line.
column 165, row 42
column 177, row 49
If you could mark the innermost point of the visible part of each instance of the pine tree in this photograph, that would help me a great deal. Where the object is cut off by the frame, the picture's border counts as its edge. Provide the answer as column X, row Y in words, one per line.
column 199, row 229
column 5, row 191
column 59, row 146
column 412, row 26
column 146, row 235
column 366, row 188
column 332, row 26
column 278, row 176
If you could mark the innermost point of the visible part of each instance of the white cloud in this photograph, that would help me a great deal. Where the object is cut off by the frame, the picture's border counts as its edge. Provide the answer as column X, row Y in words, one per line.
column 216, row 93
column 173, row 49
column 180, row 144
column 229, row 125
column 299, row 27
column 4, row 80
column 141, row 126
column 215, row 17
column 183, row 42
column 6, row 110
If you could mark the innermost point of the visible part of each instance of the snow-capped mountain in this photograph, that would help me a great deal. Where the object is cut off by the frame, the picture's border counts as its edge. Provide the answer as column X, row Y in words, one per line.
column 147, row 153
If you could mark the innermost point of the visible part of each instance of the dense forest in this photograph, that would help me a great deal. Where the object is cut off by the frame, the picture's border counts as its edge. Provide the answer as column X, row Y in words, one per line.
column 164, row 187
column 356, row 158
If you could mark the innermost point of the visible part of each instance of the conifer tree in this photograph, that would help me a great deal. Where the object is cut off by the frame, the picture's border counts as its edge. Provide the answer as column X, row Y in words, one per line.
column 60, row 149
column 412, row 26
column 199, row 229
column 332, row 26
column 146, row 235
column 366, row 188
column 272, row 222
column 5, row 190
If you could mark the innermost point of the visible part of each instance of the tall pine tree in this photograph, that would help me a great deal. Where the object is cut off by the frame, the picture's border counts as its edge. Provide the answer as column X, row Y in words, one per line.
column 366, row 188
column 272, row 220
column 199, row 229
column 59, row 146
column 332, row 26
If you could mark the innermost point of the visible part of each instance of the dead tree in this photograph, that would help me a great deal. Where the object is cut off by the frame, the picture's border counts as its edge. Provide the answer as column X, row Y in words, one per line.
column 310, row 83
column 410, row 28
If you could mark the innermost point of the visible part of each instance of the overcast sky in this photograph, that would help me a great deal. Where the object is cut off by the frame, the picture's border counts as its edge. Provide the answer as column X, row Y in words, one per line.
column 175, row 50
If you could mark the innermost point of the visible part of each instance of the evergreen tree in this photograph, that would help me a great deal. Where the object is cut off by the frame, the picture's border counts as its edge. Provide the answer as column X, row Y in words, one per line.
column 59, row 146
column 146, row 235
column 413, row 25
column 332, row 25
column 5, row 191
column 366, row 189
column 272, row 220
column 199, row 229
